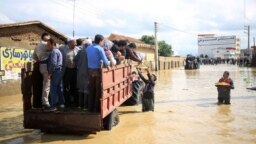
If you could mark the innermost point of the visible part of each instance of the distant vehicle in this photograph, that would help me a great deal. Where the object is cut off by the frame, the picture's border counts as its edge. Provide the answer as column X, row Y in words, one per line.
column 116, row 89
column 192, row 62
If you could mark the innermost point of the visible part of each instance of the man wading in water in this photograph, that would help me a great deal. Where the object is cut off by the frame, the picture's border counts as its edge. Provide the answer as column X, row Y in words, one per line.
column 148, row 99
column 223, row 87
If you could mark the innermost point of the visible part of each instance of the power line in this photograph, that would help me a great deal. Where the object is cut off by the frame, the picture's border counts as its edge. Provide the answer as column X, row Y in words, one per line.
column 176, row 29
column 65, row 5
column 92, row 10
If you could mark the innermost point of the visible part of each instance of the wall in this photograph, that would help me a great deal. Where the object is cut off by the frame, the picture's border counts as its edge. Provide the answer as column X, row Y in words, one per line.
column 149, row 53
column 166, row 63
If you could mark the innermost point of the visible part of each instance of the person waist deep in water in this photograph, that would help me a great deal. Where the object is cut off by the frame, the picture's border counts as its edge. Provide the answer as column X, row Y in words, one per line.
column 224, row 90
column 148, row 92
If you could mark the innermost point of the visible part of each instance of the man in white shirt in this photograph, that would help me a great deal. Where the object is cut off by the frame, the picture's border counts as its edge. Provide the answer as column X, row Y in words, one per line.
column 70, row 91
column 40, row 55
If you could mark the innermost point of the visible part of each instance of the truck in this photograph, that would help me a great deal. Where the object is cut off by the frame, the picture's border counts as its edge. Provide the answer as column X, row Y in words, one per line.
column 115, row 89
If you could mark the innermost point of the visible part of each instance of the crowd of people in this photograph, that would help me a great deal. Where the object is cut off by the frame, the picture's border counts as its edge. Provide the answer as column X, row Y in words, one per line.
column 215, row 61
column 71, row 72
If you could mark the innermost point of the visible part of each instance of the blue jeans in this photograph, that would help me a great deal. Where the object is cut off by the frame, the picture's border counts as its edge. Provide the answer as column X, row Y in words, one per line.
column 56, row 95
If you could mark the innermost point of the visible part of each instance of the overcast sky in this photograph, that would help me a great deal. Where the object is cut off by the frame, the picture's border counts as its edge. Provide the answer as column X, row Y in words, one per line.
column 179, row 20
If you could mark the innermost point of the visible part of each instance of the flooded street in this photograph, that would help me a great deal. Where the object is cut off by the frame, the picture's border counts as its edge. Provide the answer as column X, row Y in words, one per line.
column 185, row 112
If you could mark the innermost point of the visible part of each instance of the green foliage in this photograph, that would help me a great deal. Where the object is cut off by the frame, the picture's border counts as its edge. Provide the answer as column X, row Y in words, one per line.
column 164, row 49
column 148, row 39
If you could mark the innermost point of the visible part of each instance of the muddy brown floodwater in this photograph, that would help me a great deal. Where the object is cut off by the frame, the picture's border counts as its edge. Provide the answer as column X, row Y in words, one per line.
column 185, row 112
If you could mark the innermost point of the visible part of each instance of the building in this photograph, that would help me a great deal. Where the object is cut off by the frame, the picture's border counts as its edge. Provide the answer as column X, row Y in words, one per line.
column 17, row 41
column 214, row 46
column 148, row 51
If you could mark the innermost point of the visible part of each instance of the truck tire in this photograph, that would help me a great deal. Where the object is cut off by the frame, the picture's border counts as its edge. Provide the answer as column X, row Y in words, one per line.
column 111, row 120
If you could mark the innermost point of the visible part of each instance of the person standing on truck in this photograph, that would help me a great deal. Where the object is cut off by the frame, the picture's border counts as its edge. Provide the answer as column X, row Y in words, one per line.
column 131, row 53
column 55, row 75
column 69, row 52
column 82, row 75
column 119, row 51
column 107, row 45
column 40, row 56
column 79, row 43
column 95, row 55
column 148, row 91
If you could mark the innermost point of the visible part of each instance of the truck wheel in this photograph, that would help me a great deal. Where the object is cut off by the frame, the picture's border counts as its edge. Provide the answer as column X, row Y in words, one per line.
column 111, row 120
column 108, row 122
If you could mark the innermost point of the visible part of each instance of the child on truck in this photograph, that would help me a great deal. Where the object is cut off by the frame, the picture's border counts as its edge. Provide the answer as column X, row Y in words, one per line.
column 148, row 91
column 224, row 86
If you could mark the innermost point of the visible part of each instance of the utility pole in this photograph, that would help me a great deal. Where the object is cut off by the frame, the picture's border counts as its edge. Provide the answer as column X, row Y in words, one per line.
column 74, row 9
column 156, row 47
column 247, row 28
column 254, row 48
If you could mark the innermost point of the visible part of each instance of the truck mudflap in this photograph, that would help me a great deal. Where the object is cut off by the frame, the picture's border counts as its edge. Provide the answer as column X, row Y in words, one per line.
column 63, row 122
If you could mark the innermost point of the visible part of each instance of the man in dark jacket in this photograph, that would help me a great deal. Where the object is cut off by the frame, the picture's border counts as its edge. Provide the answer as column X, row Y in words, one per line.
column 131, row 53
column 148, row 92
column 119, row 50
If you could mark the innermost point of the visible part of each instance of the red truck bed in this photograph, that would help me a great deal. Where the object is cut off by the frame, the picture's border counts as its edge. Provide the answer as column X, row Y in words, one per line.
column 116, row 89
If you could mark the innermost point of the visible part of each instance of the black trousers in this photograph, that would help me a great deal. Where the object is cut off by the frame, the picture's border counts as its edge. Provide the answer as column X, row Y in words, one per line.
column 83, row 100
column 37, row 82
column 94, row 90
column 69, row 87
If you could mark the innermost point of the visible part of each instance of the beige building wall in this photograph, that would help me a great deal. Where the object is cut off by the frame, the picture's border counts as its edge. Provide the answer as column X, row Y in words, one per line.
column 149, row 53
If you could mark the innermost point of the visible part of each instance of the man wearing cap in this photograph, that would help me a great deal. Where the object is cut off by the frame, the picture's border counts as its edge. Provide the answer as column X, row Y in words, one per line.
column 96, row 56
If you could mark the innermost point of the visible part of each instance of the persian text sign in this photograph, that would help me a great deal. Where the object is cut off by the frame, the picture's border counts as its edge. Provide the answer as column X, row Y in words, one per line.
column 12, row 60
column 221, row 40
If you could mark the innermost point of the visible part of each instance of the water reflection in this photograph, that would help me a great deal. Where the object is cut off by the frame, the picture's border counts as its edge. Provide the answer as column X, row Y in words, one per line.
column 224, row 116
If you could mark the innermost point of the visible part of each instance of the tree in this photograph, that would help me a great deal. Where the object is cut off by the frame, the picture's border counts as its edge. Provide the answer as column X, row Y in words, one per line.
column 148, row 39
column 164, row 48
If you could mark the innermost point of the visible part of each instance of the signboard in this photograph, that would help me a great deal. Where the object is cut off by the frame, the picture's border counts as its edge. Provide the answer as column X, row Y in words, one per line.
column 12, row 60
column 2, row 72
column 221, row 40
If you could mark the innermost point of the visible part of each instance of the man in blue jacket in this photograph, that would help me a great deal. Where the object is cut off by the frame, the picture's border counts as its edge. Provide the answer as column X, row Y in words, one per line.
column 55, row 75
column 95, row 56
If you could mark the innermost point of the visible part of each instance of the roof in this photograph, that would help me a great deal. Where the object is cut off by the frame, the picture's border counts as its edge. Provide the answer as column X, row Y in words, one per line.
column 138, row 42
column 39, row 23
column 122, row 37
